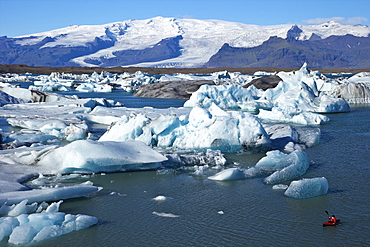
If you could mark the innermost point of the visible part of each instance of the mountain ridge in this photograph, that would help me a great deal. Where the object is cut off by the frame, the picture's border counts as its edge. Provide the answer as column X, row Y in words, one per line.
column 155, row 42
column 346, row 51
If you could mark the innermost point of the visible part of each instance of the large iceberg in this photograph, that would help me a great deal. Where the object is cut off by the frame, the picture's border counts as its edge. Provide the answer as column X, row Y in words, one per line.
column 104, row 156
column 201, row 129
column 306, row 188
column 296, row 99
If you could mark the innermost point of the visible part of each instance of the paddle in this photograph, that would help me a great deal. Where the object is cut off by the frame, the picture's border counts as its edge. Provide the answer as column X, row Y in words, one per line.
column 327, row 212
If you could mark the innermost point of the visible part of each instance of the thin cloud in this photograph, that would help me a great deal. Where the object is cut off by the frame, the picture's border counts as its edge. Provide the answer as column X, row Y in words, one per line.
column 342, row 20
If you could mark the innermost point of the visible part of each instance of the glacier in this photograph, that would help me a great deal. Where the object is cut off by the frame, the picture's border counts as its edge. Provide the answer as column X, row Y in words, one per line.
column 200, row 38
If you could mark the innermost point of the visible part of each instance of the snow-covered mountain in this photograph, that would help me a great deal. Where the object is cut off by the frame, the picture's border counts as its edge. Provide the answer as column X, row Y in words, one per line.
column 156, row 42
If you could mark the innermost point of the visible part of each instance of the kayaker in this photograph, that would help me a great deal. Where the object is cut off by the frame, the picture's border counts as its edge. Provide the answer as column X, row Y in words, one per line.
column 332, row 219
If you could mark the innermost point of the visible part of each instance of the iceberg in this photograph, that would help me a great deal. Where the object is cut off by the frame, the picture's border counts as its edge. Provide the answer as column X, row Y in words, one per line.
column 104, row 156
column 201, row 129
column 271, row 159
column 284, row 115
column 296, row 99
column 292, row 166
column 23, row 208
column 166, row 215
column 224, row 96
column 228, row 174
column 8, row 99
column 94, row 87
column 211, row 158
column 306, row 188
column 356, row 89
column 49, row 194
column 33, row 228
column 280, row 187
column 161, row 198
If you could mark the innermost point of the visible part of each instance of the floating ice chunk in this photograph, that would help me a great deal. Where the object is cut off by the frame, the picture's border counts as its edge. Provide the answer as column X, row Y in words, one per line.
column 23, row 208
column 7, row 224
column 51, row 194
column 53, row 207
column 91, row 156
column 202, row 129
column 329, row 104
column 306, row 188
column 32, row 228
column 309, row 136
column 168, row 215
column 31, row 138
column 228, row 174
column 5, row 209
column 271, row 159
column 93, row 87
column 279, row 187
column 292, row 116
column 8, row 99
column 224, row 96
column 161, row 198
column 199, row 170
column 293, row 165
column 212, row 158
column 22, row 234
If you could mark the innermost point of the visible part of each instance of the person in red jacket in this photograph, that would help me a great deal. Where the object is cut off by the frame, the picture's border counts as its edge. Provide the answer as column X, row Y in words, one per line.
column 332, row 219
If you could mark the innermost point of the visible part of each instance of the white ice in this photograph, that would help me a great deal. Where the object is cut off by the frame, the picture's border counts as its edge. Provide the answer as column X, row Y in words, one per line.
column 104, row 156
column 292, row 166
column 306, row 188
column 161, row 198
column 280, row 187
column 23, row 208
column 228, row 174
column 201, row 129
column 166, row 215
column 48, row 194
column 32, row 228
column 296, row 99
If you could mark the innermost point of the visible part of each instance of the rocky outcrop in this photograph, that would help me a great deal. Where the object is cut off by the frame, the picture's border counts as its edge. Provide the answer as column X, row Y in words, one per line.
column 265, row 82
column 171, row 89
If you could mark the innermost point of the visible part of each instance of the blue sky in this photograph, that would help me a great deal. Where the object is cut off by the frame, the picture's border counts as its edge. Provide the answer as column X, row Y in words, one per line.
column 21, row 17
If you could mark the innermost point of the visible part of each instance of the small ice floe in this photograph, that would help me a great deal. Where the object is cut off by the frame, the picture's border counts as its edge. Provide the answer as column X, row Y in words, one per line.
column 167, row 215
column 228, row 174
column 161, row 198
column 279, row 187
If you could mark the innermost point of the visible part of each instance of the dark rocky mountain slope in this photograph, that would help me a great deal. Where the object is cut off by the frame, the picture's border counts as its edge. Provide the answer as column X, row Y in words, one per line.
column 346, row 51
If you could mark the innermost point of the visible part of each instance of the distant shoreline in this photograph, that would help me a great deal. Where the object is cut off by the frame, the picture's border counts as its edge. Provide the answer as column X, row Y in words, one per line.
column 21, row 69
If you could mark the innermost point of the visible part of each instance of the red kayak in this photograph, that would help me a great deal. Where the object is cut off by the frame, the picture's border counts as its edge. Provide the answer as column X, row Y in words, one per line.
column 328, row 223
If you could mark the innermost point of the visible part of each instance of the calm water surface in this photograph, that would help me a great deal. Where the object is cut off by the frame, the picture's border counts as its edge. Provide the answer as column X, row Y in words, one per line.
column 253, row 213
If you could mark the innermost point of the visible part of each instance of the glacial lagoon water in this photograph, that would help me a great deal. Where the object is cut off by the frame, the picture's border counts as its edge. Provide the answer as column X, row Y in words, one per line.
column 234, row 213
